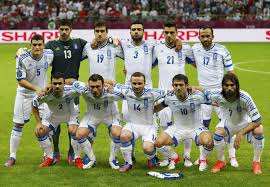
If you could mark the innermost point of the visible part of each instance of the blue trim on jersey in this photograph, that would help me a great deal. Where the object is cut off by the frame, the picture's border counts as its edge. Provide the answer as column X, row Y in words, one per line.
column 226, row 66
column 155, row 63
column 196, row 140
column 26, row 120
column 42, row 138
column 169, row 123
column 23, row 56
column 52, row 128
column 218, row 137
column 175, row 142
column 257, row 120
column 247, row 100
column 189, row 61
column 125, row 144
column 205, row 148
column 116, row 140
column 92, row 129
column 17, row 129
column 118, row 94
column 228, row 133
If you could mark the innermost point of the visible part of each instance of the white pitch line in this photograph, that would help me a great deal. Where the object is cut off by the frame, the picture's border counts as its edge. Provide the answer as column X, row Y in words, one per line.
column 250, row 62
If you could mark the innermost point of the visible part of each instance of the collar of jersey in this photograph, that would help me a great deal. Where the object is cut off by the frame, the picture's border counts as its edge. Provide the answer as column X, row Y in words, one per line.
column 210, row 48
column 34, row 58
column 104, row 44
column 170, row 47
column 137, row 45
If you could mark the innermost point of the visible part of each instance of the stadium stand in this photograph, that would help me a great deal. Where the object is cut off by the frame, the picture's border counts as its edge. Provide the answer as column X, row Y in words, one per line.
column 28, row 14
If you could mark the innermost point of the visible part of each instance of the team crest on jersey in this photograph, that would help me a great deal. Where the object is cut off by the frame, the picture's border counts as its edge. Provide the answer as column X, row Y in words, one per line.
column 145, row 48
column 106, row 103
column 68, row 100
column 75, row 46
column 19, row 73
column 192, row 107
column 239, row 108
column 179, row 54
column 66, row 46
column 45, row 65
column 57, row 49
column 215, row 56
column 146, row 103
column 109, row 53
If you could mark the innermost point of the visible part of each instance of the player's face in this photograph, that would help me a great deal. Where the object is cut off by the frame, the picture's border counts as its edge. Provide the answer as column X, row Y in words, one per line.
column 64, row 32
column 180, row 89
column 170, row 34
column 136, row 32
column 58, row 87
column 206, row 37
column 230, row 89
column 137, row 84
column 100, row 34
column 96, row 88
column 37, row 47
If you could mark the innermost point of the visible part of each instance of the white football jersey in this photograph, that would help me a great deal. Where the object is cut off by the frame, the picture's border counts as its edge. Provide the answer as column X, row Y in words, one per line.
column 102, row 60
column 237, row 111
column 187, row 114
column 138, row 59
column 60, row 107
column 211, row 64
column 171, row 63
column 103, row 107
column 32, row 70
column 140, row 108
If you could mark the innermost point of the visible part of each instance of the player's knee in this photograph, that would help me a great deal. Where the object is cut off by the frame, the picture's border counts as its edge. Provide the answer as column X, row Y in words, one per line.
column 80, row 134
column 116, row 132
column 125, row 136
column 258, row 131
column 158, row 143
column 220, row 131
column 148, row 148
column 207, row 140
column 72, row 129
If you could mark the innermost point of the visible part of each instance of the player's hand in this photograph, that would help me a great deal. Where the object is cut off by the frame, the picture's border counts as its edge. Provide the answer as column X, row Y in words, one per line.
column 94, row 44
column 40, row 130
column 178, row 45
column 237, row 140
column 21, row 51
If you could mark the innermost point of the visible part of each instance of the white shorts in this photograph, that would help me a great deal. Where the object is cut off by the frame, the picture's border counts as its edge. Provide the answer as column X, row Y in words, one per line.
column 231, row 129
column 147, row 132
column 165, row 117
column 92, row 124
column 207, row 111
column 53, row 121
column 23, row 108
column 179, row 135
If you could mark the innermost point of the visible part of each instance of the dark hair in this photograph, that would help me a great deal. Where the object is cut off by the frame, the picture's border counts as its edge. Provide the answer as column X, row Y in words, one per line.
column 206, row 27
column 57, row 75
column 138, row 74
column 137, row 22
column 64, row 22
column 101, row 23
column 96, row 77
column 170, row 23
column 231, row 77
column 37, row 37
column 180, row 77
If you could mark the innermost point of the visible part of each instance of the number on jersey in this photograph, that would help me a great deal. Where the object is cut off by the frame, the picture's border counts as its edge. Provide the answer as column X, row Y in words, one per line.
column 206, row 60
column 100, row 58
column 67, row 54
column 170, row 59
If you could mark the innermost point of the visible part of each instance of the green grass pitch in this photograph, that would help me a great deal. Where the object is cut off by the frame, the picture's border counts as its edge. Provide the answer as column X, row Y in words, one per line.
column 252, row 61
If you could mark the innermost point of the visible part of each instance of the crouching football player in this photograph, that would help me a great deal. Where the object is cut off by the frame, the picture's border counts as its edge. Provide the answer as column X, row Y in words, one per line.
column 186, row 108
column 61, row 110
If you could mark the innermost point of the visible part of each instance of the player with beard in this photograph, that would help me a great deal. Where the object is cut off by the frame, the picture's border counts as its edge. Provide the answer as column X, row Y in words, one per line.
column 212, row 60
column 240, row 117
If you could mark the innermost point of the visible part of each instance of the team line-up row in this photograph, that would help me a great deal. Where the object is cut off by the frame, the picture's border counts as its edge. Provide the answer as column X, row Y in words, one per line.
column 192, row 111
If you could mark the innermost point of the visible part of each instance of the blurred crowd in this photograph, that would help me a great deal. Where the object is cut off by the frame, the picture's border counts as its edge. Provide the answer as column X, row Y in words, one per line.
column 15, row 11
